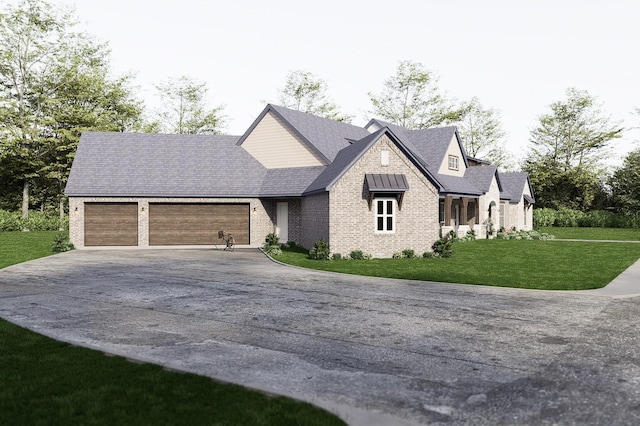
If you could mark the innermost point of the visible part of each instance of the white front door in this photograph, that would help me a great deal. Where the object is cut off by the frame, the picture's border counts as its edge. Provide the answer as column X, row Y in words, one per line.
column 282, row 222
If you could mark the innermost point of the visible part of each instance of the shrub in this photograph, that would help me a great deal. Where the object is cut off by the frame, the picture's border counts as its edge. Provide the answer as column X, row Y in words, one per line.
column 568, row 217
column 36, row 221
column 356, row 255
column 61, row 243
column 443, row 247
column 292, row 244
column 396, row 255
column 408, row 253
column 320, row 250
column 428, row 255
column 336, row 256
column 271, row 245
column 543, row 217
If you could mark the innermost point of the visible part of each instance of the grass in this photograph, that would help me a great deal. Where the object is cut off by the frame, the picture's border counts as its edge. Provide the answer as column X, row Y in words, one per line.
column 18, row 247
column 44, row 381
column 49, row 382
column 620, row 234
column 545, row 265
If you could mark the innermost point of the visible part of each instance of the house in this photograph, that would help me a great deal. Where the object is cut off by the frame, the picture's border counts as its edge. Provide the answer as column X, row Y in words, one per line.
column 378, row 188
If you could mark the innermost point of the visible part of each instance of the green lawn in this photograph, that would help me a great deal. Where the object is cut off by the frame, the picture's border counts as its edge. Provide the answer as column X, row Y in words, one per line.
column 621, row 234
column 18, row 247
column 547, row 265
column 43, row 381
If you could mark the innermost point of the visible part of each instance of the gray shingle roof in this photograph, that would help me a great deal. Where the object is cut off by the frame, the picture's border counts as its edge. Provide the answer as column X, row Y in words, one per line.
column 481, row 176
column 343, row 161
column 327, row 137
column 513, row 185
column 289, row 182
column 458, row 185
column 159, row 165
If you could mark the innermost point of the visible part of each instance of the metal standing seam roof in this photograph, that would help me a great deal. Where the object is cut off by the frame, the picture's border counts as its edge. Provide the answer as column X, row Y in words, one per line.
column 386, row 182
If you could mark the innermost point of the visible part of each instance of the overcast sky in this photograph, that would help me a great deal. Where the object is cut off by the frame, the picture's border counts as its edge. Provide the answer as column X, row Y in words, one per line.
column 515, row 56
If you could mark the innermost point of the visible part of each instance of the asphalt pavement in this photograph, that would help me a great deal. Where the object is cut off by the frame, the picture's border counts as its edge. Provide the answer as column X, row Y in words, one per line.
column 374, row 351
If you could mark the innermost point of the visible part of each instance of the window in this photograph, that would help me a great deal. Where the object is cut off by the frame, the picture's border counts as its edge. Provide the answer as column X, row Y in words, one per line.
column 385, row 217
column 441, row 211
column 453, row 162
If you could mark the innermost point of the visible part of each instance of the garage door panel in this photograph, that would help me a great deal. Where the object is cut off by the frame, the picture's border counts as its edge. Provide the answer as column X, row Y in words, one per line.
column 197, row 224
column 110, row 224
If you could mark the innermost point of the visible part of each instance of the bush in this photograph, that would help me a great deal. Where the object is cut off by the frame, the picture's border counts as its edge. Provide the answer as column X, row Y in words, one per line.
column 512, row 234
column 336, row 256
column 292, row 244
column 37, row 221
column 443, row 247
column 61, row 243
column 408, row 253
column 568, row 218
column 428, row 255
column 543, row 217
column 396, row 255
column 271, row 245
column 320, row 250
column 356, row 255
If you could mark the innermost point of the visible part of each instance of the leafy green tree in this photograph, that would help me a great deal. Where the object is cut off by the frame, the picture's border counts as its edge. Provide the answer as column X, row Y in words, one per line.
column 54, row 84
column 411, row 99
column 305, row 92
column 566, row 149
column 184, row 108
column 482, row 134
column 625, row 184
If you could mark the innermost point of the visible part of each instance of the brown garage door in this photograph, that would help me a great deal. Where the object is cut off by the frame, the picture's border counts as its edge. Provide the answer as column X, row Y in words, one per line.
column 111, row 224
column 197, row 224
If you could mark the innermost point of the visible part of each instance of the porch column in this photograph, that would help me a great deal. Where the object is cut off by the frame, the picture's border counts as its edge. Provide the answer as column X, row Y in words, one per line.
column 447, row 211
column 463, row 213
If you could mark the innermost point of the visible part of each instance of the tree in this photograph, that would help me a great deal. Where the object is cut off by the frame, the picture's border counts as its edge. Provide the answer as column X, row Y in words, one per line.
column 625, row 184
column 46, row 70
column 411, row 99
column 305, row 92
column 567, row 146
column 482, row 134
column 184, row 108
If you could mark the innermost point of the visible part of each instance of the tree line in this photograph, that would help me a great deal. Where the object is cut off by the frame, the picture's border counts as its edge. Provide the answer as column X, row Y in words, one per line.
column 56, row 82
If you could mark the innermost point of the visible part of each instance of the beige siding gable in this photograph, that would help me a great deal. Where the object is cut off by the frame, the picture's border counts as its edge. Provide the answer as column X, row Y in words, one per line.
column 274, row 144
column 453, row 150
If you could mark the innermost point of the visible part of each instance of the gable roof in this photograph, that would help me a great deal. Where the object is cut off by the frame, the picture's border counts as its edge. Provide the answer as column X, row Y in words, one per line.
column 482, row 176
column 430, row 144
column 513, row 186
column 349, row 155
column 160, row 165
column 343, row 161
column 324, row 136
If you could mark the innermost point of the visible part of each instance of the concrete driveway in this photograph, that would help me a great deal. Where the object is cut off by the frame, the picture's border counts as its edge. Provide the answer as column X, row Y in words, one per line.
column 376, row 351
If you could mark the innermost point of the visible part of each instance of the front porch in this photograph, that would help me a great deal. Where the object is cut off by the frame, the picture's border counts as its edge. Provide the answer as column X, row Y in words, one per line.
column 462, row 214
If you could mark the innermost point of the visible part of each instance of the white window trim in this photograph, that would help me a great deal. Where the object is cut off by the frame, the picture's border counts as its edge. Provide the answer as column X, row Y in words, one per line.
column 385, row 215
column 456, row 159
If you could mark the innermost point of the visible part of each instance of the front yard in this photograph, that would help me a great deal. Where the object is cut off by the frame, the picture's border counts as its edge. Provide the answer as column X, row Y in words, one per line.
column 545, row 265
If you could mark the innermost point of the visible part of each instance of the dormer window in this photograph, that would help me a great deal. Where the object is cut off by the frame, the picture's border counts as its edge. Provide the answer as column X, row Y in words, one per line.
column 454, row 162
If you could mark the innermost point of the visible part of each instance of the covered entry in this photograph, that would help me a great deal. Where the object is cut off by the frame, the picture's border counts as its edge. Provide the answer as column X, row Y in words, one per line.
column 111, row 224
column 197, row 224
